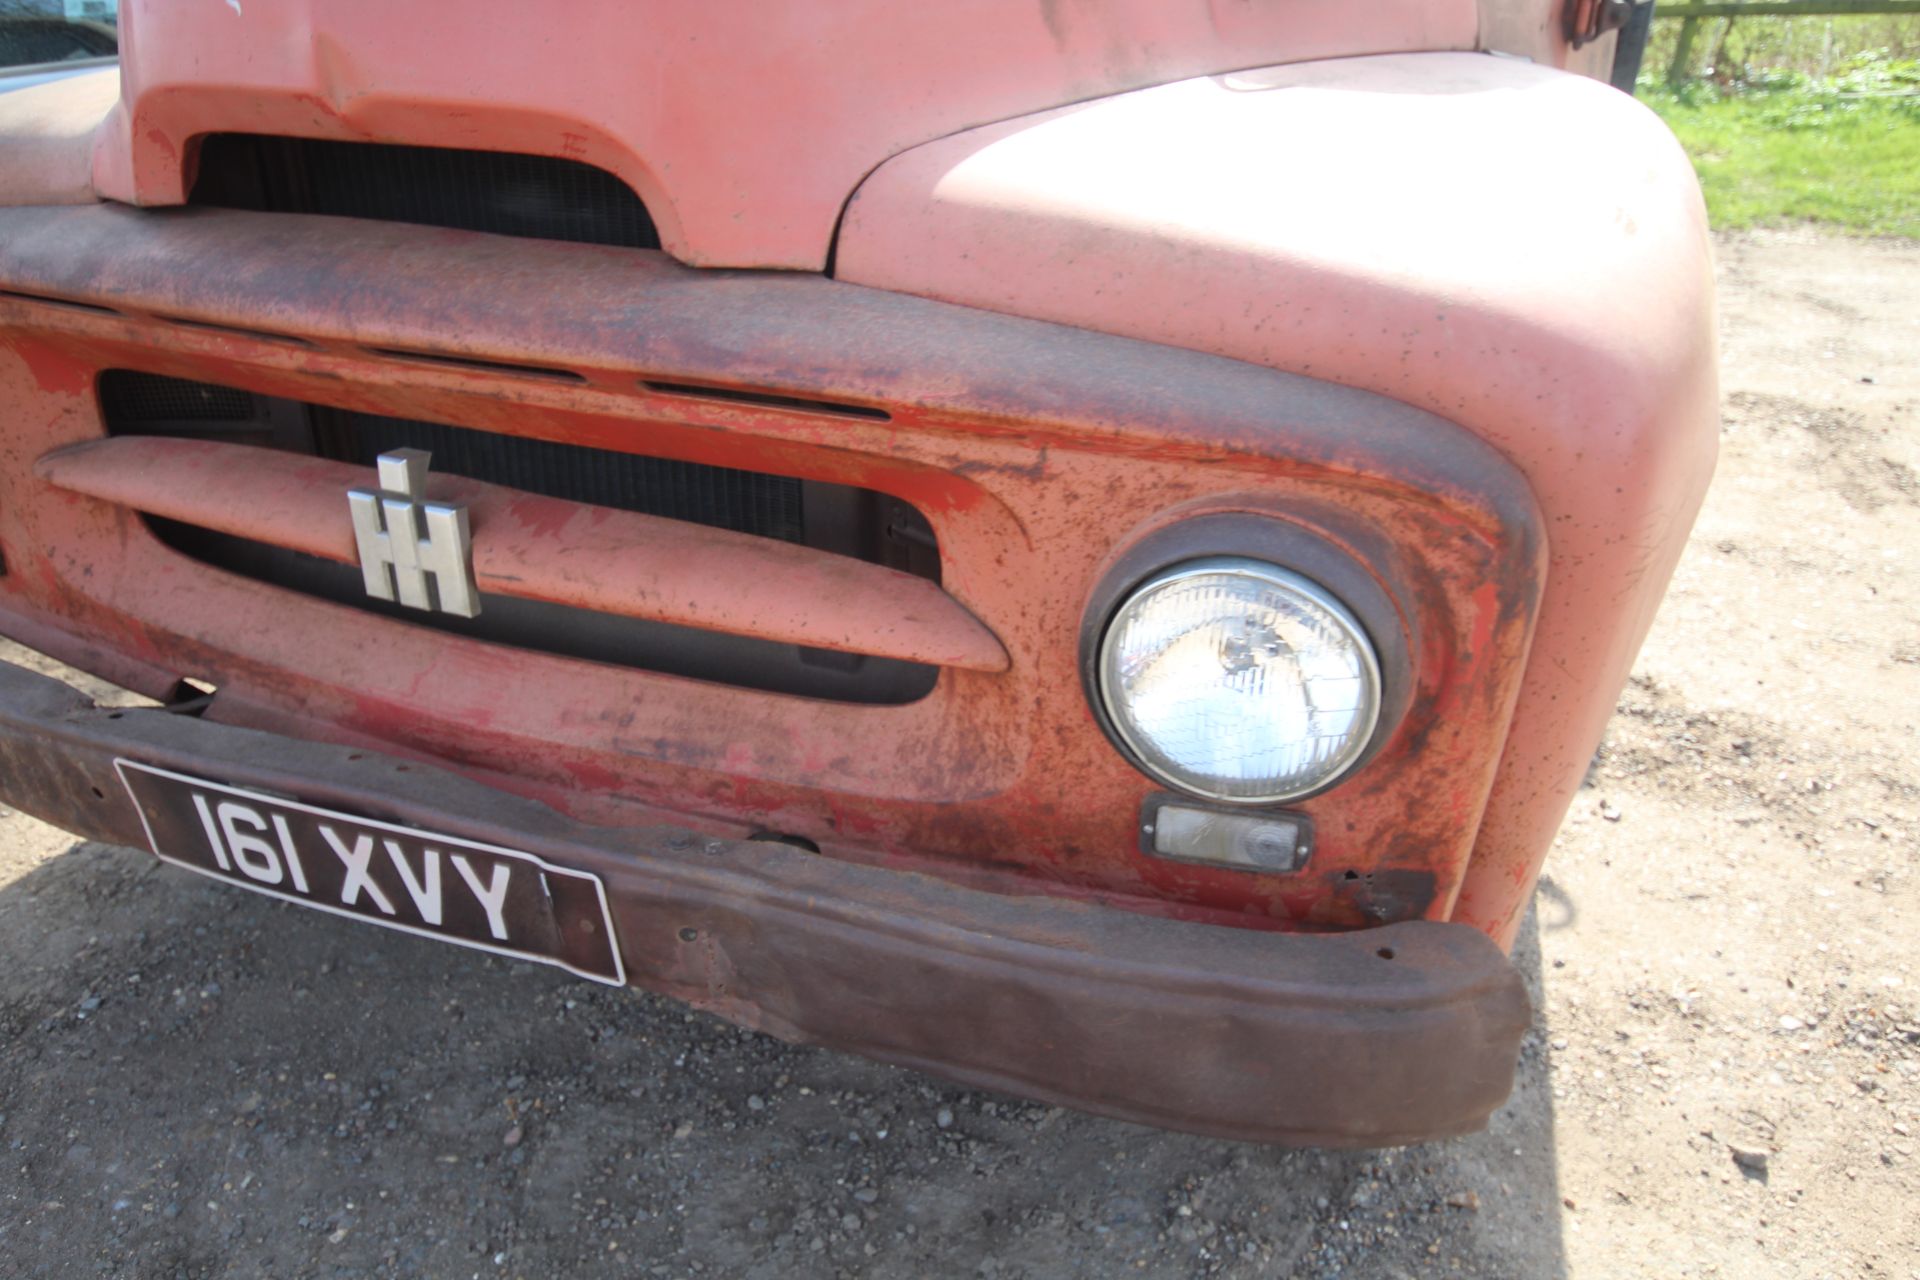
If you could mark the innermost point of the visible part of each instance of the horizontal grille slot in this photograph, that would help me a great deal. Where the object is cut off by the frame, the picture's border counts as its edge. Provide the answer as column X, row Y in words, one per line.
column 46, row 300
column 484, row 366
column 769, row 399
column 237, row 331
column 499, row 192
column 777, row 653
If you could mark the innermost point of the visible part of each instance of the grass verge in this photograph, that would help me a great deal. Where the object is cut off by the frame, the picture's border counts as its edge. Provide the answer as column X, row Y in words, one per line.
column 1842, row 150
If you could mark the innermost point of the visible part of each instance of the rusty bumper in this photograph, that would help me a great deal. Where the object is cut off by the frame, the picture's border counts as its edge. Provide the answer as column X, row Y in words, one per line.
column 1376, row 1037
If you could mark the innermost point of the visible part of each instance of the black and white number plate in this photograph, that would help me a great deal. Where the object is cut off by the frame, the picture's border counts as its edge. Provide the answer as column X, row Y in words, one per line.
column 441, row 886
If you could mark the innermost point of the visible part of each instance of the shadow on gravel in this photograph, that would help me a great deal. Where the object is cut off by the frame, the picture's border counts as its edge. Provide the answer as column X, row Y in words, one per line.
column 199, row 1082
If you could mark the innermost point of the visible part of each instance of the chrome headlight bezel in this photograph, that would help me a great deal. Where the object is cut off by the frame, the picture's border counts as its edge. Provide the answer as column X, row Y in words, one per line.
column 1304, row 561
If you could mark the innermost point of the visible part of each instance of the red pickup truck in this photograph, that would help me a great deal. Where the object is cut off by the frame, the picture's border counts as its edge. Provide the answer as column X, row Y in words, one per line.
column 1083, row 548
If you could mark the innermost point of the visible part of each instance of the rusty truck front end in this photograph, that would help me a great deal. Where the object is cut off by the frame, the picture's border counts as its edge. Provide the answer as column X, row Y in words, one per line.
column 1095, row 572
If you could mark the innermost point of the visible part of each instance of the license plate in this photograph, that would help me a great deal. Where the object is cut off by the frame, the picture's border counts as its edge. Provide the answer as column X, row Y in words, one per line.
column 439, row 886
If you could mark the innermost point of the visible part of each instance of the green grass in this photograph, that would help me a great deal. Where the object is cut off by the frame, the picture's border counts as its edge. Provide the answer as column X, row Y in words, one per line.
column 1783, row 146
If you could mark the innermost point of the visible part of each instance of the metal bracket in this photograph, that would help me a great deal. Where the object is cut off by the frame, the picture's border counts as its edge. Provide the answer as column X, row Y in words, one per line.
column 1588, row 20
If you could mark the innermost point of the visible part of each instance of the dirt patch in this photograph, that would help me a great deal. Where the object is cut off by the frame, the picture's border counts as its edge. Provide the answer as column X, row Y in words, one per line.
column 1842, row 450
column 1724, row 1079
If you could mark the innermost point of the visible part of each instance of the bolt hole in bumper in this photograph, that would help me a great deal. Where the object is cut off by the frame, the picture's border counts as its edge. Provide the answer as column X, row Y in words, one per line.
column 1373, row 1037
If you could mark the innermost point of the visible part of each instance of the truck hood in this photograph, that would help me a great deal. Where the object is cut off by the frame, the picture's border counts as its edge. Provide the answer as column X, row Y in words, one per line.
column 744, row 131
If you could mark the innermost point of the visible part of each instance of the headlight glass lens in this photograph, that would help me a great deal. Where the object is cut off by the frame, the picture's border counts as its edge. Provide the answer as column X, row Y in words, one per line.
column 1238, row 680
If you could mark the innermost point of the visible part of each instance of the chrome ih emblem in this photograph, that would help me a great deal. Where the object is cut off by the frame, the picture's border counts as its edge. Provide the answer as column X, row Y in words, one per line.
column 411, row 550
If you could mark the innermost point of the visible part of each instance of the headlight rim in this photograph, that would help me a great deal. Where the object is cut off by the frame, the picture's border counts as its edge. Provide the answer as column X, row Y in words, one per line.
column 1295, row 548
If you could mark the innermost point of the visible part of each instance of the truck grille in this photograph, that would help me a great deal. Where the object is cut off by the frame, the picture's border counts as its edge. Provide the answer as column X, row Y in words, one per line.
column 862, row 523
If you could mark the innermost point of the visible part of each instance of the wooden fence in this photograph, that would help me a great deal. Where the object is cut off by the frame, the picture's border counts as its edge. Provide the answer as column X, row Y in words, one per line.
column 1693, row 12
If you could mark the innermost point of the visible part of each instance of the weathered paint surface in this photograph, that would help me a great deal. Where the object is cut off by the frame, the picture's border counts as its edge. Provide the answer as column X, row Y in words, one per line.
column 1519, row 250
column 801, row 99
column 1039, row 453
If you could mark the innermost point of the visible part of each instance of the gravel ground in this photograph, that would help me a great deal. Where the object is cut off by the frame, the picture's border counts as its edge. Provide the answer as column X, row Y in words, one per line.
column 199, row 1082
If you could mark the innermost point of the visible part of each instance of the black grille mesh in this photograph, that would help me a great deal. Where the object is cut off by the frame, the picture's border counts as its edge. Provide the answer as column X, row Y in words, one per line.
column 749, row 502
column 493, row 191
column 127, row 396
column 768, row 506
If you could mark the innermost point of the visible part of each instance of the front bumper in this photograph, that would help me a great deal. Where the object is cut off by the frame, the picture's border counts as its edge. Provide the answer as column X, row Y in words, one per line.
column 1374, row 1037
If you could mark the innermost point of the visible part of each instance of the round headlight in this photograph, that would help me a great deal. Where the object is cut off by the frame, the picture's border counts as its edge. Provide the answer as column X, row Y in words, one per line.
column 1238, row 680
